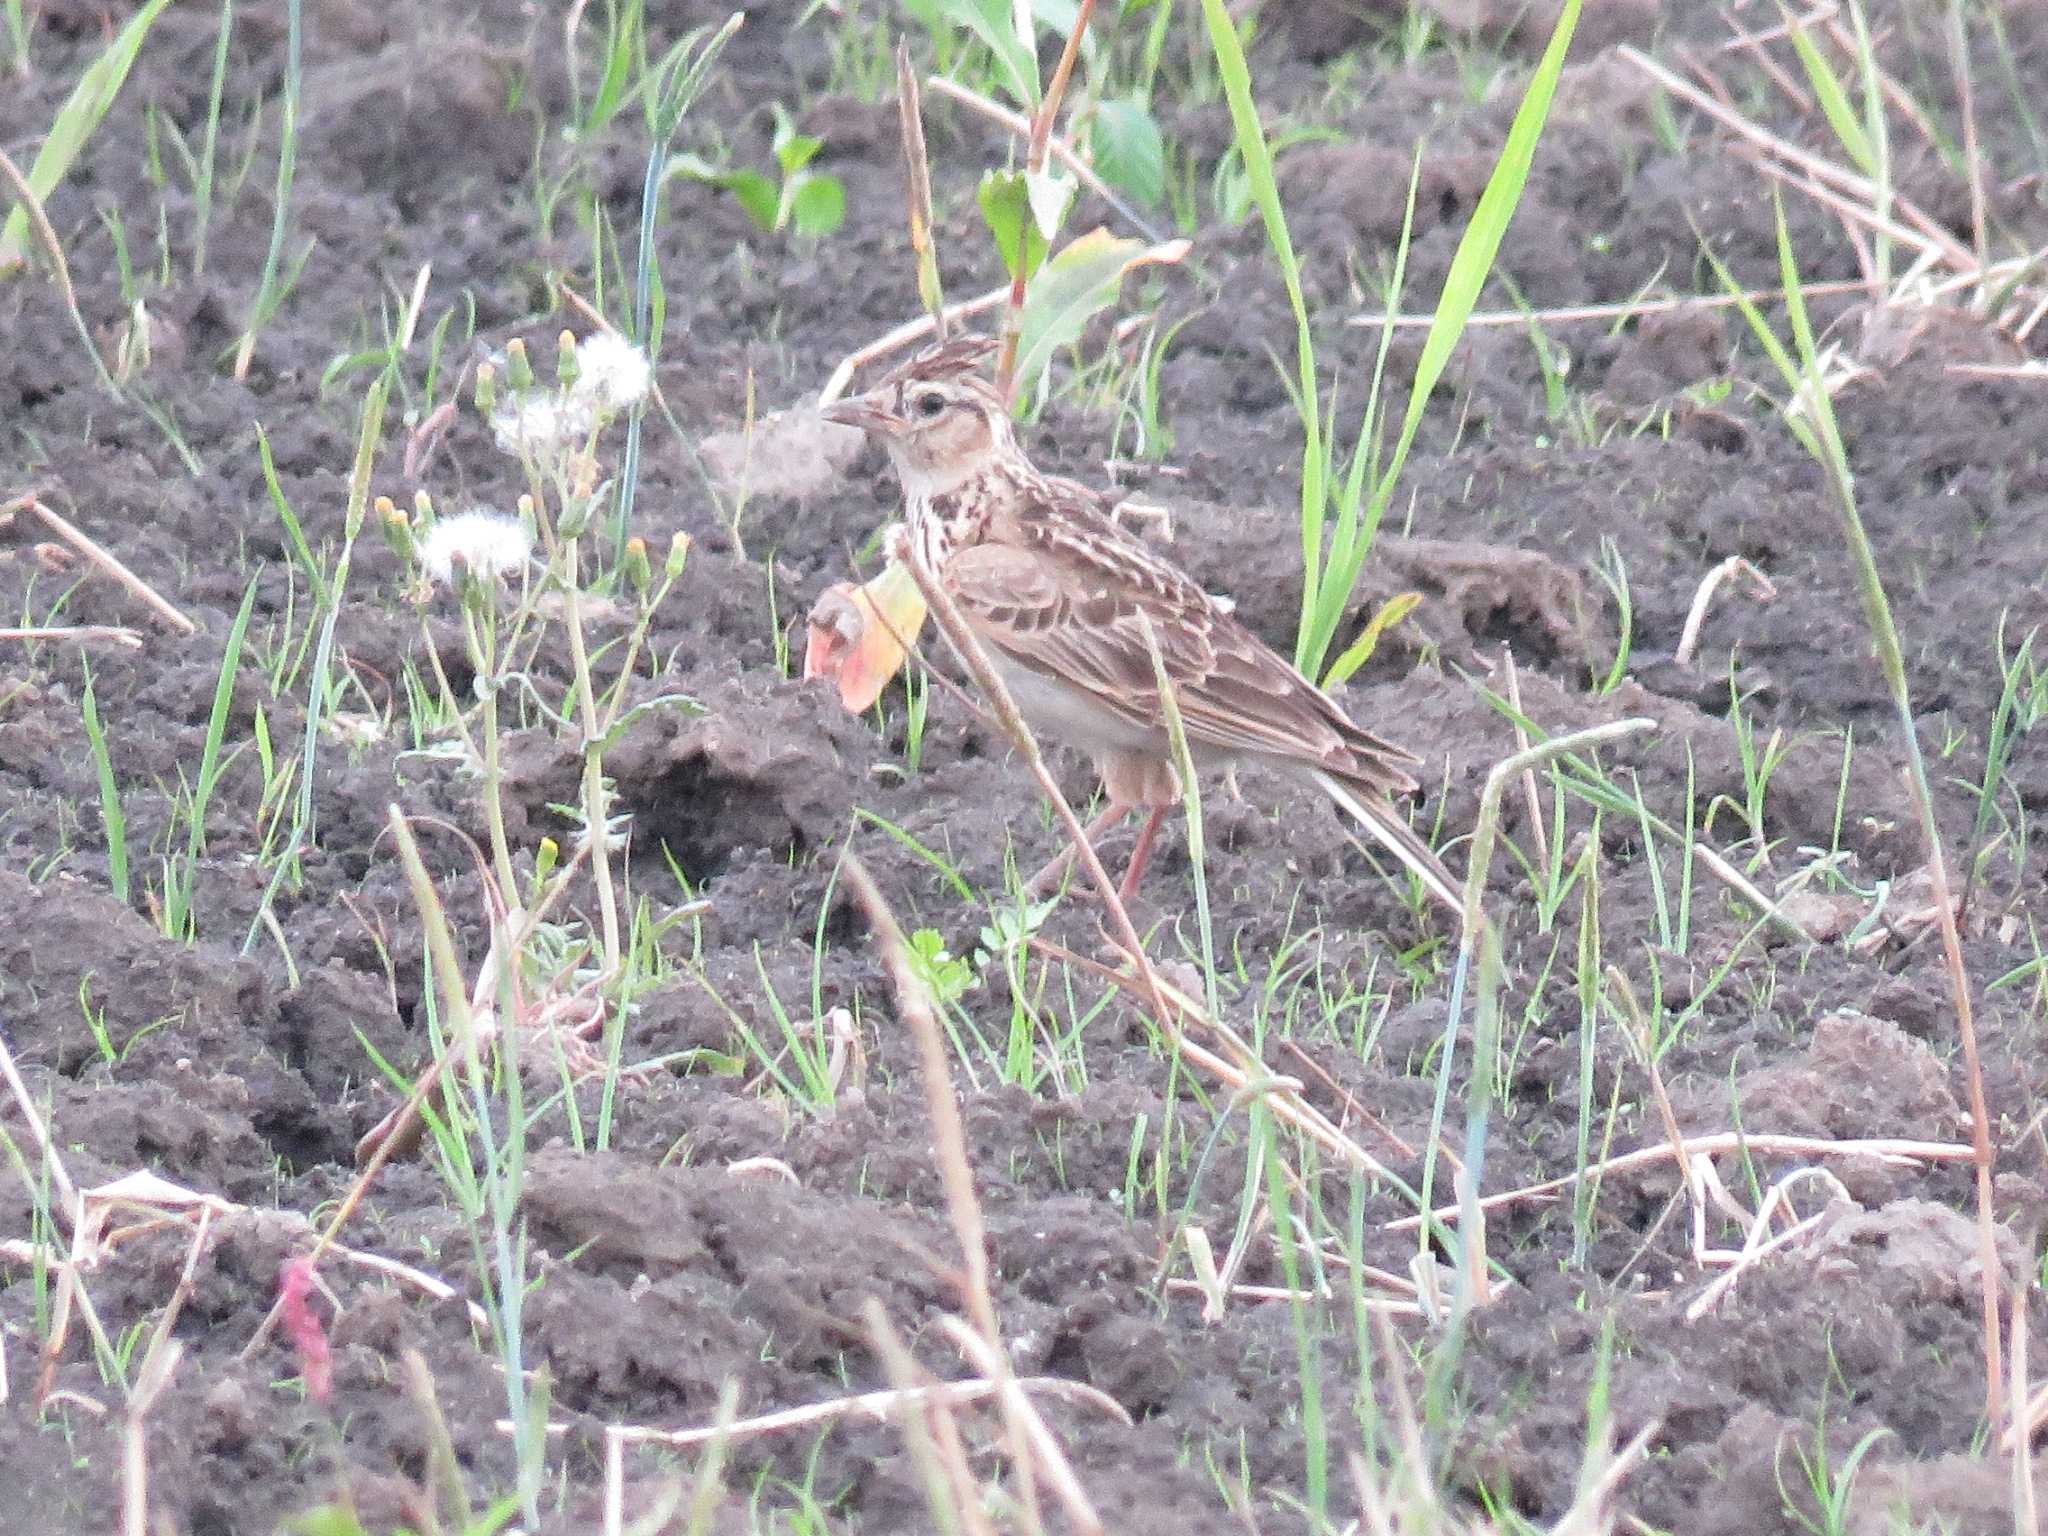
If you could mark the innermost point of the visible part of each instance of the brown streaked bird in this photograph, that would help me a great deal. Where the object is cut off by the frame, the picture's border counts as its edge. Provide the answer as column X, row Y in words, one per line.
column 1060, row 596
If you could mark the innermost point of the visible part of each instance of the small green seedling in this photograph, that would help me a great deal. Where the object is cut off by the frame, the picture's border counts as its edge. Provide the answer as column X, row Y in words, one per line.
column 948, row 975
column 811, row 202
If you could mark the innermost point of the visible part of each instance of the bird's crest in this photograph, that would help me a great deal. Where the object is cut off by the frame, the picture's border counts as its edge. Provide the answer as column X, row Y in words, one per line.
column 957, row 357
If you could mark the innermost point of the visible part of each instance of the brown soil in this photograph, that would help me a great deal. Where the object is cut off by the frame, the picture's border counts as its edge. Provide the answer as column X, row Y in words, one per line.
column 662, row 1274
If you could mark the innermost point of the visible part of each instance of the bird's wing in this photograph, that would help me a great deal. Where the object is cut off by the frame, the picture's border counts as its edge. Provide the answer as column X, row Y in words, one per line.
column 1065, row 592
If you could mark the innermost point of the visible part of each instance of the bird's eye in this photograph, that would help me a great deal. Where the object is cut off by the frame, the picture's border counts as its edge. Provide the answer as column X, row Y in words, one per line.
column 929, row 404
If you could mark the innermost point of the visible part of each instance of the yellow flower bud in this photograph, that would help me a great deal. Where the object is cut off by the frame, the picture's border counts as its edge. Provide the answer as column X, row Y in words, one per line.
column 516, row 362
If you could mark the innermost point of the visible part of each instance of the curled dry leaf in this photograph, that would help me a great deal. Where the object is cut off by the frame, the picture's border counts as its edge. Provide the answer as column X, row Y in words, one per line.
column 858, row 635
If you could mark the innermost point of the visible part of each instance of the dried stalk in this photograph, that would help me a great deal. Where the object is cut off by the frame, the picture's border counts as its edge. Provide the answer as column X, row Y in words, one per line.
column 875, row 1405
column 949, row 1141
column 1696, row 615
column 1890, row 1150
column 141, row 590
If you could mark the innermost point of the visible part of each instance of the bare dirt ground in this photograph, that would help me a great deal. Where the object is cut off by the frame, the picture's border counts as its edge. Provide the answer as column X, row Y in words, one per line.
column 248, row 1072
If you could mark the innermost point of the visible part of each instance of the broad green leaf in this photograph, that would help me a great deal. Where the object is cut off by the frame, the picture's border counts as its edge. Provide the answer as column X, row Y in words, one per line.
column 1130, row 153
column 793, row 150
column 1359, row 652
column 817, row 204
column 993, row 24
column 756, row 193
column 1076, row 285
column 1051, row 194
column 1006, row 209
column 74, row 124
column 795, row 153
column 325, row 1520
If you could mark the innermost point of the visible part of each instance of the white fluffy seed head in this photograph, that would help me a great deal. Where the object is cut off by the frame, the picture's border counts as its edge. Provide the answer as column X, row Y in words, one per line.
column 542, row 425
column 611, row 373
column 487, row 544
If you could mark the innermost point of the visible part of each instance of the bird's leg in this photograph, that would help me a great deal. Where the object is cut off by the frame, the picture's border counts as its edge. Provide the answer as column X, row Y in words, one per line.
column 1141, row 853
column 1048, row 879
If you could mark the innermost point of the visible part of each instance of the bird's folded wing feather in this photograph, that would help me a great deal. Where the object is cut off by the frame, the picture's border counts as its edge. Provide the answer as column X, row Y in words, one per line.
column 1071, row 598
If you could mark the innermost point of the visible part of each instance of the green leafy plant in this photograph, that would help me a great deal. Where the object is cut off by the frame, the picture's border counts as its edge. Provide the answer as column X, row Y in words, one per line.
column 795, row 197
column 1339, row 519
column 948, row 976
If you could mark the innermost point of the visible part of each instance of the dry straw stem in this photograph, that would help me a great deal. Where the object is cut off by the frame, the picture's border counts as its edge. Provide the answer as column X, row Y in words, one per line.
column 1399, row 1307
column 1926, row 233
column 1034, row 166
column 882, row 1406
column 1634, row 309
column 709, row 1481
column 1696, row 615
column 917, row 173
column 1240, row 1071
column 1637, row 1030
column 80, row 634
column 141, row 590
column 48, row 1159
column 975, row 657
column 2025, row 1511
column 1895, row 1151
column 1051, row 1462
column 1743, row 886
column 931, row 1433
column 1758, row 1240
column 949, row 1141
column 59, row 268
column 149, row 1386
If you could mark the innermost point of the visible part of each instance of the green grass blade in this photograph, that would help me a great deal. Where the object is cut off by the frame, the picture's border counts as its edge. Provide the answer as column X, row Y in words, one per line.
column 1257, row 154
column 217, row 725
column 209, row 148
column 112, row 818
column 1470, row 267
column 74, row 125
column 268, row 291
column 1827, row 90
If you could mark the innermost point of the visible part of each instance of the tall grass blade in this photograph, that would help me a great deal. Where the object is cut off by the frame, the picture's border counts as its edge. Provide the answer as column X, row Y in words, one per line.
column 1811, row 415
column 1471, row 266
column 75, row 123
column 681, row 74
column 1235, row 74
column 112, row 818
column 268, row 292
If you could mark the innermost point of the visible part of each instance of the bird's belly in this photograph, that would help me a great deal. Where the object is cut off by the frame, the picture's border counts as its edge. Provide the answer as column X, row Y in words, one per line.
column 1070, row 717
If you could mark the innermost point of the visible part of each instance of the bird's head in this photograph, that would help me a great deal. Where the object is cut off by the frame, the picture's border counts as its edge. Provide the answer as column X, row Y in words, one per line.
column 941, row 421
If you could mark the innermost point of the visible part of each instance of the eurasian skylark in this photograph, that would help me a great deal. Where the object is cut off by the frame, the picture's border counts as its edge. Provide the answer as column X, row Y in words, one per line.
column 1061, row 596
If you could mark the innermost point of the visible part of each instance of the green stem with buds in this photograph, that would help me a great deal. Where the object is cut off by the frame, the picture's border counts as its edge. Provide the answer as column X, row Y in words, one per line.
column 483, row 649
column 595, row 808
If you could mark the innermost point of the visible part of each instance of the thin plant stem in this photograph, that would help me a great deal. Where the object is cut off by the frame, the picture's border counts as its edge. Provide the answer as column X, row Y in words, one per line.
column 1811, row 416
column 1034, row 166
column 595, row 807
column 484, row 645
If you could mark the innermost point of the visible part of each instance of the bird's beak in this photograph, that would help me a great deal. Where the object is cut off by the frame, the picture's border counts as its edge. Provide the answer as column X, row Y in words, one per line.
column 867, row 413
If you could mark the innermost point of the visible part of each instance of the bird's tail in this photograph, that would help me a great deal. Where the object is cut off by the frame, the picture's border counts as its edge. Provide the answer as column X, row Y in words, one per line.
column 1380, row 818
